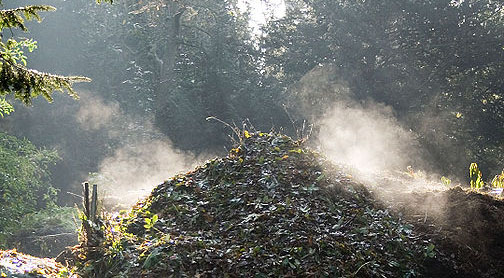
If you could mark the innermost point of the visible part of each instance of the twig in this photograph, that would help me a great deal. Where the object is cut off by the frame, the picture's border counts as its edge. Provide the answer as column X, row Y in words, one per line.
column 235, row 130
column 50, row 236
column 355, row 273
column 75, row 195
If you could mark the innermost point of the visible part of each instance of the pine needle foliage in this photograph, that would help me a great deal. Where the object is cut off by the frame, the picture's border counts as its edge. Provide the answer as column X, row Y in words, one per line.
column 15, row 78
column 13, row 18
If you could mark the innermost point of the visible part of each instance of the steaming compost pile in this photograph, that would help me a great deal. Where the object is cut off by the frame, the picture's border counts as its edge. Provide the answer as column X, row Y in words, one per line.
column 18, row 265
column 466, row 225
column 271, row 208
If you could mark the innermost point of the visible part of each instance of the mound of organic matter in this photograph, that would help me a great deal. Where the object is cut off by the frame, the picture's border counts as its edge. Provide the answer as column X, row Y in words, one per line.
column 271, row 208
column 17, row 265
column 466, row 225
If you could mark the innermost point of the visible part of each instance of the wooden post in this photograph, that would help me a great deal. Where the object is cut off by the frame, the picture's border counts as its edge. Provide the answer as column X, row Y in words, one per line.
column 86, row 200
column 85, row 224
column 94, row 203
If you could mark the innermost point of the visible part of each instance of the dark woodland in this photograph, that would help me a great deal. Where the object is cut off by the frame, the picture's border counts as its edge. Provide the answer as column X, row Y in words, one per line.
column 325, row 116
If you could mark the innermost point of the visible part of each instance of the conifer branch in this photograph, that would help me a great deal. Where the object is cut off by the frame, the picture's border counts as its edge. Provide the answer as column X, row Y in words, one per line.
column 13, row 18
column 27, row 84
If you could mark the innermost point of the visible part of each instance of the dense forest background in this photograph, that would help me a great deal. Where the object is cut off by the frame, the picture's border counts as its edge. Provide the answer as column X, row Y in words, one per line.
column 426, row 72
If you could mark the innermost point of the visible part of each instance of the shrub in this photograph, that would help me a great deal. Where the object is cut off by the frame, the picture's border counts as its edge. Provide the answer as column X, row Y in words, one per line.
column 24, row 181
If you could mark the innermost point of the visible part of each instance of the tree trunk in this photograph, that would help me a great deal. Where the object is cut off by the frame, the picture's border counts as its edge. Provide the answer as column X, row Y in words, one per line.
column 166, row 54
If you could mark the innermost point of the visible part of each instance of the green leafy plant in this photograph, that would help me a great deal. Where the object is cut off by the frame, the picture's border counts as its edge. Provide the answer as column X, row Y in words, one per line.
column 5, row 107
column 12, row 50
column 430, row 251
column 475, row 176
column 498, row 180
column 64, row 273
column 150, row 222
column 446, row 181
column 24, row 181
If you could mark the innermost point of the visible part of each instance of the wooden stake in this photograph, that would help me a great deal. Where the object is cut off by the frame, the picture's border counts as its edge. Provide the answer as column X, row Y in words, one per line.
column 94, row 203
column 86, row 200
column 85, row 224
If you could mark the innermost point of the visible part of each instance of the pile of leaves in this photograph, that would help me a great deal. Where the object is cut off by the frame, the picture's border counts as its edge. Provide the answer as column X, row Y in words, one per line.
column 18, row 265
column 464, row 224
column 271, row 208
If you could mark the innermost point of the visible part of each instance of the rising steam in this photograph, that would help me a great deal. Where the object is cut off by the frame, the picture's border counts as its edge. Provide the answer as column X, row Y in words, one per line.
column 133, row 170
column 143, row 157
column 364, row 135
column 367, row 138
column 94, row 113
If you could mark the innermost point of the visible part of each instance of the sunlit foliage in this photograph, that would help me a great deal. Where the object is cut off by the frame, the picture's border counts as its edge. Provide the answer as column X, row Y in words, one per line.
column 24, row 180
column 15, row 78
column 476, row 176
column 498, row 180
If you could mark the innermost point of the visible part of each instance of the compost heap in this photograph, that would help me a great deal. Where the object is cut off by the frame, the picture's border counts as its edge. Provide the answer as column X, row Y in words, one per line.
column 271, row 208
column 18, row 265
column 466, row 225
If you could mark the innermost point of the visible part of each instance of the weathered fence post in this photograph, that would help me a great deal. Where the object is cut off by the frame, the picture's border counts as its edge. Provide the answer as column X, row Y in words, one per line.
column 86, row 200
column 90, row 212
column 94, row 204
